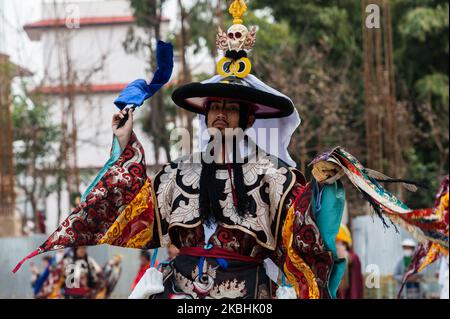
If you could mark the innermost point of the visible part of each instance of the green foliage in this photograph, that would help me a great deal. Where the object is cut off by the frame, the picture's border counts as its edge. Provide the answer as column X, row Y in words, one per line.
column 35, row 140
column 34, row 135
column 202, row 23
column 313, row 51
column 434, row 87
column 419, row 170
column 271, row 37
column 421, row 31
column 147, row 15
column 419, row 23
column 146, row 12
column 328, row 24
column 333, row 28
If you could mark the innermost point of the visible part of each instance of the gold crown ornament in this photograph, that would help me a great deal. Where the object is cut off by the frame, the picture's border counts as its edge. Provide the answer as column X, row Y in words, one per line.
column 237, row 9
column 235, row 42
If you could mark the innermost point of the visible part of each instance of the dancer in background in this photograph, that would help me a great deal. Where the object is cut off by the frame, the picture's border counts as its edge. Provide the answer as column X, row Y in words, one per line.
column 352, row 285
column 111, row 275
column 36, row 273
column 82, row 276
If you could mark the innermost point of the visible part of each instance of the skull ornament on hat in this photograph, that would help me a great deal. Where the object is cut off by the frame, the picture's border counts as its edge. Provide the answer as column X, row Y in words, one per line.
column 272, row 109
column 235, row 43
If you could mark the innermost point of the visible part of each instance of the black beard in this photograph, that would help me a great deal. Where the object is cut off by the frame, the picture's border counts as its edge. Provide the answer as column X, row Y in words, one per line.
column 211, row 190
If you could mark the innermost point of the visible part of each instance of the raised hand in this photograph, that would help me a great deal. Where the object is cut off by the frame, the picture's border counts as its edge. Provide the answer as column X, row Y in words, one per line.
column 123, row 132
column 324, row 171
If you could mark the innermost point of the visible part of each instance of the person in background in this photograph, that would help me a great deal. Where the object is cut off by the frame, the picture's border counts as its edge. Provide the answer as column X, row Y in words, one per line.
column 41, row 221
column 35, row 273
column 145, row 259
column 352, row 285
column 82, row 275
column 111, row 271
column 413, row 286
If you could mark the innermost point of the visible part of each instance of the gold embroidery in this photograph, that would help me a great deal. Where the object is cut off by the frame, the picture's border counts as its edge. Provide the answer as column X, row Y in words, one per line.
column 141, row 239
column 168, row 192
column 137, row 206
column 184, row 225
column 280, row 207
column 297, row 261
column 431, row 255
column 442, row 207
column 200, row 288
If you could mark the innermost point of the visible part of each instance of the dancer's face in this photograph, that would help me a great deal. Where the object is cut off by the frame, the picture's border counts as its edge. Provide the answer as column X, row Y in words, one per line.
column 81, row 252
column 223, row 114
column 408, row 251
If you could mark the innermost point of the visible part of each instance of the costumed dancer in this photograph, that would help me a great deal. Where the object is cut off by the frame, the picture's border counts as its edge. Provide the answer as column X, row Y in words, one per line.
column 82, row 277
column 111, row 275
column 228, row 215
column 47, row 284
column 38, row 277
column 352, row 285
column 35, row 273
column 144, row 259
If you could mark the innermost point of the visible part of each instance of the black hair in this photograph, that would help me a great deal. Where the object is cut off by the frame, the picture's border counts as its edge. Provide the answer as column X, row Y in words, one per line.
column 211, row 189
column 245, row 111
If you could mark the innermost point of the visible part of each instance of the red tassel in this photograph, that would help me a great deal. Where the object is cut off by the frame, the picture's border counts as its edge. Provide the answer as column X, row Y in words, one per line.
column 34, row 253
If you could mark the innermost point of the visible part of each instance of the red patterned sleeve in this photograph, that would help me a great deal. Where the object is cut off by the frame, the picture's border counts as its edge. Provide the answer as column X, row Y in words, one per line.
column 118, row 208
column 301, row 254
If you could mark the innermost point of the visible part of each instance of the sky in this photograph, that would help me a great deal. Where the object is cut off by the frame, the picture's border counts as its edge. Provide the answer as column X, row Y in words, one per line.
column 14, row 41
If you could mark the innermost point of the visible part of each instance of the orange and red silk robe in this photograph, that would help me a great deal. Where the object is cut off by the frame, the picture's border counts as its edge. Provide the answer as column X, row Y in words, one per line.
column 295, row 223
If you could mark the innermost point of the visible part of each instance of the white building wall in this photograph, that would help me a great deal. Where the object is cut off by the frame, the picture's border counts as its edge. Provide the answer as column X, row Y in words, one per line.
column 94, row 114
column 106, row 8
column 92, row 47
column 94, row 143
column 86, row 47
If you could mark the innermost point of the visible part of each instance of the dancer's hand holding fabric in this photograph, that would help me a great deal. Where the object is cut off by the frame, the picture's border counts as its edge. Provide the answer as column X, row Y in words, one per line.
column 123, row 133
column 324, row 171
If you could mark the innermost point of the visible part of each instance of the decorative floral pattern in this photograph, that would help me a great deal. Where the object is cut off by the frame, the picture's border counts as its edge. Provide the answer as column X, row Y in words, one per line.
column 267, row 182
column 90, row 221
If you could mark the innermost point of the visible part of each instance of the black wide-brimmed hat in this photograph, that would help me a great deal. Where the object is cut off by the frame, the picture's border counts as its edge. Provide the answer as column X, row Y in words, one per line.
column 194, row 97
